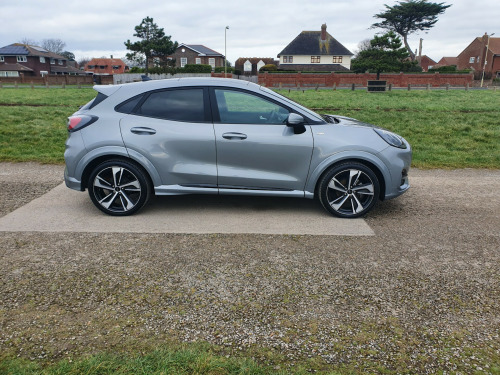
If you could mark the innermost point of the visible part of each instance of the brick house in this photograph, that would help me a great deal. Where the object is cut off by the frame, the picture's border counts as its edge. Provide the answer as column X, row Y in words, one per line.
column 426, row 62
column 106, row 66
column 195, row 54
column 22, row 59
column 251, row 65
column 475, row 54
column 315, row 51
column 447, row 61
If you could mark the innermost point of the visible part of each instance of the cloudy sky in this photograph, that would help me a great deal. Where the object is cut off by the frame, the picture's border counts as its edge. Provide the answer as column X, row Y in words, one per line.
column 257, row 28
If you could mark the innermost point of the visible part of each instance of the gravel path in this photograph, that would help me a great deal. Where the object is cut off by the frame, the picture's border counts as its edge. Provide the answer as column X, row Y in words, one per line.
column 422, row 295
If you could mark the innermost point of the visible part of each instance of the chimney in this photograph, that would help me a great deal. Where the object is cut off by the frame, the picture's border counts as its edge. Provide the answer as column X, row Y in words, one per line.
column 323, row 31
column 111, row 56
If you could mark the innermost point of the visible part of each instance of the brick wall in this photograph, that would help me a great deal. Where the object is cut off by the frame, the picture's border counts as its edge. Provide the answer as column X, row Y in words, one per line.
column 347, row 79
column 51, row 80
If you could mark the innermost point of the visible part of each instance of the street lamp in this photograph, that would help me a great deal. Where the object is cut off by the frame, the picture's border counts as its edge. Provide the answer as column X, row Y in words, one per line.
column 485, row 57
column 225, row 51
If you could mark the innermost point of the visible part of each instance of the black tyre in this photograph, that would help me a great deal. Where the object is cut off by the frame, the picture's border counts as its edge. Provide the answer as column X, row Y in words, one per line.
column 349, row 190
column 119, row 188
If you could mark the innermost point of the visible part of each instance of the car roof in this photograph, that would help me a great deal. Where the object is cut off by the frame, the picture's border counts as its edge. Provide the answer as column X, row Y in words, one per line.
column 143, row 86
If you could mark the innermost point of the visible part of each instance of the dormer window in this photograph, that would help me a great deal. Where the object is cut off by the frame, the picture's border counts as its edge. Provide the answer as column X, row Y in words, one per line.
column 22, row 59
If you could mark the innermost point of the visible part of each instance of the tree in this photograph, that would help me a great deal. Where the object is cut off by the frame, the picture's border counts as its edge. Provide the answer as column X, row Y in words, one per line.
column 409, row 16
column 68, row 55
column 28, row 41
column 53, row 45
column 385, row 54
column 153, row 43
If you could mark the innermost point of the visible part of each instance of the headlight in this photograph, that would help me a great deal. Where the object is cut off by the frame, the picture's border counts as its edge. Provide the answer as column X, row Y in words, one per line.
column 391, row 138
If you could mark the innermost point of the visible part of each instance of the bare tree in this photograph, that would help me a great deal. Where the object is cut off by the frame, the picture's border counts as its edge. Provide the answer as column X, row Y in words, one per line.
column 28, row 41
column 83, row 61
column 53, row 45
column 363, row 46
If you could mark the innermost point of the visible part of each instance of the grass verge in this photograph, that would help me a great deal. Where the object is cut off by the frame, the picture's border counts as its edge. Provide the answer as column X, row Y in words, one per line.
column 447, row 129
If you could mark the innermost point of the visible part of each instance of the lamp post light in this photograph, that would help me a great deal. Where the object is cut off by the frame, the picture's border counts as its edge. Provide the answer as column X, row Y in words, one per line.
column 225, row 51
column 485, row 57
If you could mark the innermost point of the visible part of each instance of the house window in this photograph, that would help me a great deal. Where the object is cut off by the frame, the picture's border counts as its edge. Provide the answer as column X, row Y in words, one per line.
column 90, row 66
column 42, row 59
column 211, row 62
column 2, row 59
column 52, row 61
column 315, row 59
column 60, row 62
column 44, row 73
column 198, row 60
column 116, row 67
column 184, row 61
column 9, row 74
column 337, row 59
column 288, row 59
column 22, row 59
column 478, row 58
column 471, row 60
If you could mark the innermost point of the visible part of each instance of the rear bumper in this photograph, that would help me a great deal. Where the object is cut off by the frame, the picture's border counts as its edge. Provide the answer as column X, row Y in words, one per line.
column 72, row 182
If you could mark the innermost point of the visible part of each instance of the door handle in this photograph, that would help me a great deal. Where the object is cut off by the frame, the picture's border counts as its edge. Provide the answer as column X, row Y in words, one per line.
column 143, row 131
column 234, row 136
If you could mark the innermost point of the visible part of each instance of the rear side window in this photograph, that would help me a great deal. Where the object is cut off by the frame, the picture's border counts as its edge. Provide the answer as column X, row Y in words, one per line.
column 98, row 99
column 129, row 105
column 177, row 105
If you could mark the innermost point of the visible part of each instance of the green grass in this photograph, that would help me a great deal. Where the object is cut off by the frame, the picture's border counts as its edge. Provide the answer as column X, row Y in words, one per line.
column 447, row 129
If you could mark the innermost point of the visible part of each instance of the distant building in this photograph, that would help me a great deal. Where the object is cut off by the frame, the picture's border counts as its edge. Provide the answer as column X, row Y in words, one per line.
column 479, row 50
column 315, row 51
column 106, row 66
column 252, row 65
column 23, row 59
column 426, row 63
column 447, row 61
column 195, row 54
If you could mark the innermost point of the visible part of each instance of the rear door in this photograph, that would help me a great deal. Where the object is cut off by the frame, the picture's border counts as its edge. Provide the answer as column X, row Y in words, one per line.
column 255, row 148
column 173, row 129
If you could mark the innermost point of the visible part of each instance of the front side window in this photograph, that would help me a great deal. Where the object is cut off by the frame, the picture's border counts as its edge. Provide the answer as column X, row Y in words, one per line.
column 471, row 60
column 177, row 105
column 42, row 59
column 337, row 59
column 60, row 62
column 211, row 62
column 52, row 61
column 183, row 61
column 238, row 107
column 198, row 60
column 2, row 59
column 315, row 59
column 22, row 59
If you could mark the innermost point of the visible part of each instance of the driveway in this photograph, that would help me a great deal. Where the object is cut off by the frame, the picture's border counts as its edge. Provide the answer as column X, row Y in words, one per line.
column 421, row 294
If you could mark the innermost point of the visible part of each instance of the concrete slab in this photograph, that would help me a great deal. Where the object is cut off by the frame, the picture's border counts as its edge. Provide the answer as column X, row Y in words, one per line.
column 66, row 210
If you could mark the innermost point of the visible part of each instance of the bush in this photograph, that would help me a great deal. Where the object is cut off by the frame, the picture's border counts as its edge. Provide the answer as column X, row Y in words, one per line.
column 195, row 68
column 237, row 72
column 268, row 68
column 136, row 69
column 444, row 69
column 220, row 69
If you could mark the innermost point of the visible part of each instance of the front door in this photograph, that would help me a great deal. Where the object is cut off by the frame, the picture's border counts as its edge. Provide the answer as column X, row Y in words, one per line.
column 255, row 148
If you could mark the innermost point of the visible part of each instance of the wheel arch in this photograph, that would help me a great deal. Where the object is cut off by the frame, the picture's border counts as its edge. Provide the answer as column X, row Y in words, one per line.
column 369, row 161
column 91, row 161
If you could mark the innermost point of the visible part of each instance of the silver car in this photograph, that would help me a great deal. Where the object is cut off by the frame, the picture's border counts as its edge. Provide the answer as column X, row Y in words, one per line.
column 225, row 136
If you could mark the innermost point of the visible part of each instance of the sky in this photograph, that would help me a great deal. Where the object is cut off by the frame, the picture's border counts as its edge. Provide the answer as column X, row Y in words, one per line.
column 257, row 28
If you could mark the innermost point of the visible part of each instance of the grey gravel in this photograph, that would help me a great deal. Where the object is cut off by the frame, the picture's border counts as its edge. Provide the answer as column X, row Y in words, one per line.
column 422, row 295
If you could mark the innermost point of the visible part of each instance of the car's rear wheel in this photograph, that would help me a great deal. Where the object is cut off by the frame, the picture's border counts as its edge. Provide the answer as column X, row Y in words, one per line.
column 118, row 188
column 349, row 190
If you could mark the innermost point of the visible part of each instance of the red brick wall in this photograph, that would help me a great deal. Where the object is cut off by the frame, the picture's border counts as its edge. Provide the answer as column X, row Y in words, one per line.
column 347, row 79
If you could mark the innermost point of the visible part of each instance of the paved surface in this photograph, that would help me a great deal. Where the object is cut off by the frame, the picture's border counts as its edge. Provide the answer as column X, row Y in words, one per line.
column 422, row 296
column 66, row 210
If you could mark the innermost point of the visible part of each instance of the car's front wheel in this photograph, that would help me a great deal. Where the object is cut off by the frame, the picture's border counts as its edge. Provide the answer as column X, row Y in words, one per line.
column 118, row 188
column 349, row 190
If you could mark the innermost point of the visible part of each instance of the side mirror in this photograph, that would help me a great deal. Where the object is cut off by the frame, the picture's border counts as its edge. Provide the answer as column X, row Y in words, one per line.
column 296, row 122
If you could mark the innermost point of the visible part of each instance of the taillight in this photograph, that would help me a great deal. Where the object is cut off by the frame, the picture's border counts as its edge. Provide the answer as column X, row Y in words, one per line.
column 78, row 122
